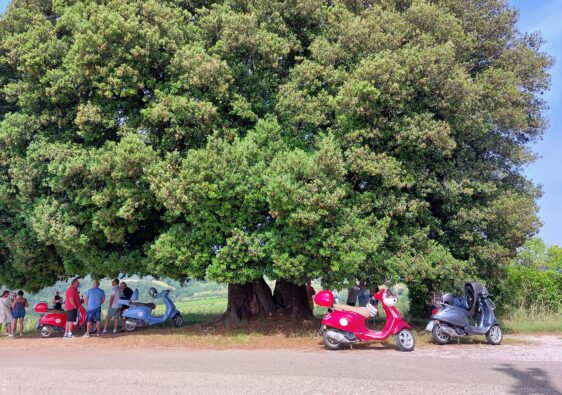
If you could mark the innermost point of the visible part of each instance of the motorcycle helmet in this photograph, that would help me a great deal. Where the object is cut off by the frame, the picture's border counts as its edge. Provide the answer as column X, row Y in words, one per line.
column 153, row 292
column 448, row 298
column 324, row 298
column 389, row 299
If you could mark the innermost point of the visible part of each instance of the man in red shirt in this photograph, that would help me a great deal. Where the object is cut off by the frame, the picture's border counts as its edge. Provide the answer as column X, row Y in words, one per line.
column 72, row 301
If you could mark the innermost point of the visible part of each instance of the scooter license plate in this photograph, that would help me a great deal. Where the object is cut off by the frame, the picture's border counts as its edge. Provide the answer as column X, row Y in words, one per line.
column 430, row 326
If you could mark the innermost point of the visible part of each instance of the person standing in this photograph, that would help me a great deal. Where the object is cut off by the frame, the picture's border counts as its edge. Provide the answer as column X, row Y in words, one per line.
column 19, row 304
column 310, row 292
column 114, row 309
column 364, row 295
column 72, row 301
column 6, row 312
column 95, row 298
column 352, row 295
column 336, row 294
column 57, row 301
column 126, row 294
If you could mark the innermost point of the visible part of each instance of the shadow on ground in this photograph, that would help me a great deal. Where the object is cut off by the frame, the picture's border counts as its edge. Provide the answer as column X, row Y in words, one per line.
column 529, row 381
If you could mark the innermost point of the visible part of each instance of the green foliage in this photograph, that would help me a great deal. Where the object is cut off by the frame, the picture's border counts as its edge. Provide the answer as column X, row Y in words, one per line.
column 344, row 140
column 533, row 282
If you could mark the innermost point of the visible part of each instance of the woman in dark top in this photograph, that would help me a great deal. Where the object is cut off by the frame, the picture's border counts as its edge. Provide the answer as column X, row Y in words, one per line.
column 19, row 305
column 58, row 302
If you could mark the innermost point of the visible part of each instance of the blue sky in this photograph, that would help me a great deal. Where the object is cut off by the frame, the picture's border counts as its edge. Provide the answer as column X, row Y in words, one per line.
column 544, row 16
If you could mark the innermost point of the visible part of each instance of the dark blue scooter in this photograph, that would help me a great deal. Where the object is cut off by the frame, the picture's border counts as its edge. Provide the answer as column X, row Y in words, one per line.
column 452, row 318
column 139, row 315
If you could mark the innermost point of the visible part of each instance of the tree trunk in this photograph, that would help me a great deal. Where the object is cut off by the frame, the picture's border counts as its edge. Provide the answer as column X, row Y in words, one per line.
column 265, row 298
column 254, row 300
column 248, row 301
column 293, row 300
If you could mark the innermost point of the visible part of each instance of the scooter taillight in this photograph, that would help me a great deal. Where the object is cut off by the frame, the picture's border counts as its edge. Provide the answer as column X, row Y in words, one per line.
column 435, row 311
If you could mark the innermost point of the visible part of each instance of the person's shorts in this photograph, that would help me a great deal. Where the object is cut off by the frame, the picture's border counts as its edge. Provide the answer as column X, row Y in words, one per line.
column 71, row 315
column 94, row 315
column 18, row 314
column 113, row 313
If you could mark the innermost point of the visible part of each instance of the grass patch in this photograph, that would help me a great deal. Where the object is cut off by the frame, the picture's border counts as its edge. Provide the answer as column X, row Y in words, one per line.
column 542, row 324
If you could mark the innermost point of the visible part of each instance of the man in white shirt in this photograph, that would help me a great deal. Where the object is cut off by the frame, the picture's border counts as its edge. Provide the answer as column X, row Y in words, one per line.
column 114, row 310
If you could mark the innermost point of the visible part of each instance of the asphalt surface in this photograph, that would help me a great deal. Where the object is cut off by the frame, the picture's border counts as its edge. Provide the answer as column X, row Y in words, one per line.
column 470, row 369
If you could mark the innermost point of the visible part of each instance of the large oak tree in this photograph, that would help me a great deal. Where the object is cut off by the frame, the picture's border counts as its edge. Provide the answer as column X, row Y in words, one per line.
column 231, row 140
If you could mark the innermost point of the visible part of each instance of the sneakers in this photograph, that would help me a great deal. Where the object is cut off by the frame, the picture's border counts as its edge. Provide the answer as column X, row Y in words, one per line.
column 10, row 335
column 86, row 334
column 69, row 336
column 105, row 332
column 115, row 331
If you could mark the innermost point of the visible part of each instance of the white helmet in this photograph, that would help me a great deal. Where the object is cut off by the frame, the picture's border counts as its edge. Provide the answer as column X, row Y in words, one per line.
column 389, row 299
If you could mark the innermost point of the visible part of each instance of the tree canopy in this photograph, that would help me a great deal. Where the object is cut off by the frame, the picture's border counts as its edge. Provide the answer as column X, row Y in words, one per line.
column 341, row 140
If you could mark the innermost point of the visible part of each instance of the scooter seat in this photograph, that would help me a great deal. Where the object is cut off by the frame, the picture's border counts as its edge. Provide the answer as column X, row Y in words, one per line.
column 359, row 310
column 152, row 306
column 55, row 311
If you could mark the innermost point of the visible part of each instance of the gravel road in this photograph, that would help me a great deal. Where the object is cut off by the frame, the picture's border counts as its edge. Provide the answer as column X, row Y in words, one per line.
column 87, row 365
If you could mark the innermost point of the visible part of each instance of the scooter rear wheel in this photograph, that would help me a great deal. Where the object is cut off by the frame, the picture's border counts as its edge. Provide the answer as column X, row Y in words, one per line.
column 129, row 325
column 439, row 336
column 405, row 340
column 330, row 343
column 45, row 332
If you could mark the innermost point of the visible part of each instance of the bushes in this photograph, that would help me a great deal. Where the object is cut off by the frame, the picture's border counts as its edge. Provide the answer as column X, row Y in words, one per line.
column 533, row 289
column 533, row 282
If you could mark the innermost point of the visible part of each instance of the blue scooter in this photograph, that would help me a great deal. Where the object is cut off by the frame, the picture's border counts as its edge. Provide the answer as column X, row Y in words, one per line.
column 139, row 315
column 452, row 319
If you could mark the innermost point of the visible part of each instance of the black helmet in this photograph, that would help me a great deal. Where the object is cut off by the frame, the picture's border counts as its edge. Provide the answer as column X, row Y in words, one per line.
column 153, row 292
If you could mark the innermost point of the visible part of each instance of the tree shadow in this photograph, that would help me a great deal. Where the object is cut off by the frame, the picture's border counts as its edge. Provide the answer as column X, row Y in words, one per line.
column 529, row 381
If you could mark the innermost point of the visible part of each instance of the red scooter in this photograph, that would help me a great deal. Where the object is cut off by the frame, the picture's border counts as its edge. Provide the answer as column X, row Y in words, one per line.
column 53, row 321
column 346, row 324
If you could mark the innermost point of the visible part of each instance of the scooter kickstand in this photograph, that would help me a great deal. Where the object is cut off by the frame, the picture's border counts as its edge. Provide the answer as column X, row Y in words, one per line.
column 351, row 346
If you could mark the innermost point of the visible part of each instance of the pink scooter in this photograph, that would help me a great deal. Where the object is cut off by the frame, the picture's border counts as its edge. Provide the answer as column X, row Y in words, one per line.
column 346, row 324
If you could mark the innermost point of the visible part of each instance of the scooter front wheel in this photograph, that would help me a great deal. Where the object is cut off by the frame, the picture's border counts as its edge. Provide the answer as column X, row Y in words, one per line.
column 439, row 335
column 177, row 320
column 494, row 335
column 405, row 340
column 329, row 342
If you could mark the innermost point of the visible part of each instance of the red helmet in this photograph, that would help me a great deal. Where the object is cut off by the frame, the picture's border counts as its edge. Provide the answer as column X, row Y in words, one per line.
column 324, row 298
